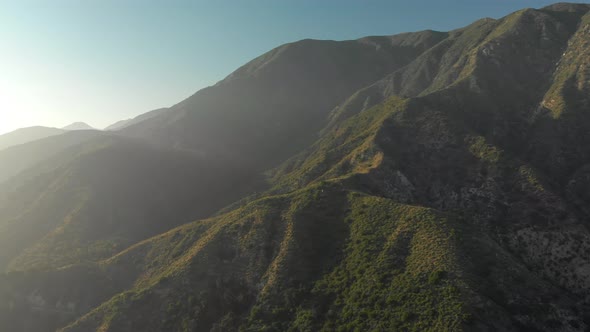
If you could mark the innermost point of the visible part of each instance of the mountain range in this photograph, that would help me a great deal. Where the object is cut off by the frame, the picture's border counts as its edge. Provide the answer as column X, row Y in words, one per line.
column 140, row 118
column 427, row 181
column 78, row 126
column 30, row 134
column 25, row 135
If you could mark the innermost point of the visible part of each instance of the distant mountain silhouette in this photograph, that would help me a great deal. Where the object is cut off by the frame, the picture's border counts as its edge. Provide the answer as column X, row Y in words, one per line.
column 78, row 126
column 19, row 158
column 129, row 122
column 25, row 135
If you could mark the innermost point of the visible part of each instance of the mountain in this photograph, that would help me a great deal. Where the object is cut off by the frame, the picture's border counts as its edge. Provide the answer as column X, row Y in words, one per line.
column 21, row 158
column 420, row 182
column 104, row 195
column 274, row 105
column 78, row 126
column 24, row 135
column 129, row 122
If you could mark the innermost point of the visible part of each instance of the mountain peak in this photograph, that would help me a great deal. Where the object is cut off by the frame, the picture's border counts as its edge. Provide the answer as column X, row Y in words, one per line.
column 78, row 126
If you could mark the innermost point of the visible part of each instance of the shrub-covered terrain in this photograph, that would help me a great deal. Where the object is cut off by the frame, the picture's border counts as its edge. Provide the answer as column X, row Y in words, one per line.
column 421, row 182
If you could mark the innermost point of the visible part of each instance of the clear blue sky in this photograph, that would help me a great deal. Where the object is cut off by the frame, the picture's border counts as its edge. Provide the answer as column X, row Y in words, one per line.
column 104, row 60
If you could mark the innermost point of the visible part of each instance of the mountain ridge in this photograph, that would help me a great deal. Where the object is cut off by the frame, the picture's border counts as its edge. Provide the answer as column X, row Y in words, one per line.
column 425, row 201
column 78, row 126
column 129, row 122
column 255, row 93
column 25, row 135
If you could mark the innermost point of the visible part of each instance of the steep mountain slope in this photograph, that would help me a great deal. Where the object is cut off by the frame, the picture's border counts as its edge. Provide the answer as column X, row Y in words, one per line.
column 273, row 265
column 449, row 193
column 487, row 45
column 274, row 105
column 17, row 159
column 562, row 120
column 466, row 149
column 302, row 261
column 105, row 195
column 239, row 268
column 325, row 258
column 24, row 135
column 140, row 118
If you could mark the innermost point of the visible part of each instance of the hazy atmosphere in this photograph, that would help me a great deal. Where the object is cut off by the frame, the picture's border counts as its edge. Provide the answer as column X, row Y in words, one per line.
column 104, row 61
column 294, row 166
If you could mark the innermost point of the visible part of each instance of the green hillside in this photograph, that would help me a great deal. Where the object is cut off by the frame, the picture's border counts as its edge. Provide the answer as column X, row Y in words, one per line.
column 421, row 182
column 105, row 195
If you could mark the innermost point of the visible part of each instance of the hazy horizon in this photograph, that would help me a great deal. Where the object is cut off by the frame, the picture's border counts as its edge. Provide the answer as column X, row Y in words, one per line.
column 101, row 62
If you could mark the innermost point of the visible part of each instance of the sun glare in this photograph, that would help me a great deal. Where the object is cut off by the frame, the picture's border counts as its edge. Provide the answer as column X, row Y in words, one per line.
column 15, row 110
column 8, row 113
